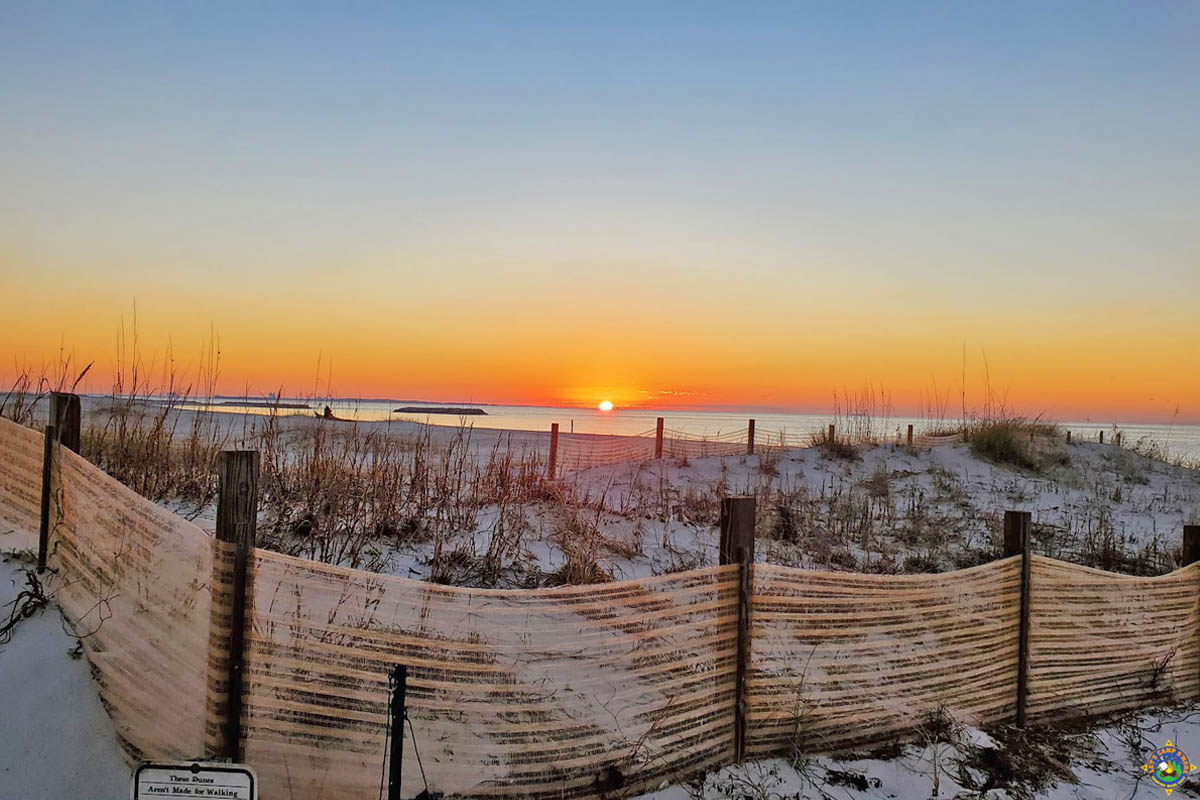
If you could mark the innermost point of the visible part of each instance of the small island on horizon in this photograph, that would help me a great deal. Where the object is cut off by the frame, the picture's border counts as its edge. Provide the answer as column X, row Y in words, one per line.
column 457, row 411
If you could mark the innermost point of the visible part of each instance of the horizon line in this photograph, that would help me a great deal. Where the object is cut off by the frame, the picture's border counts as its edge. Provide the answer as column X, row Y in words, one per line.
column 717, row 408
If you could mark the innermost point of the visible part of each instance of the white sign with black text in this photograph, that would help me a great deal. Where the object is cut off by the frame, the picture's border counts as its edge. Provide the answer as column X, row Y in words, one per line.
column 195, row 780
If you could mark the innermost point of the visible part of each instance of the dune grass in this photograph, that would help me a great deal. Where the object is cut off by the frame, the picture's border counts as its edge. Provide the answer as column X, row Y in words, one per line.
column 1016, row 442
column 358, row 495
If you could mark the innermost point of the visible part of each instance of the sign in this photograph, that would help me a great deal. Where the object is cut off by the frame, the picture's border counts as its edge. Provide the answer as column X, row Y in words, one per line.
column 1168, row 767
column 195, row 780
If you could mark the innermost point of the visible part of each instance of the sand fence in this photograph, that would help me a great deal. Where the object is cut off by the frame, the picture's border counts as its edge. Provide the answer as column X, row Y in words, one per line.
column 572, row 452
column 574, row 691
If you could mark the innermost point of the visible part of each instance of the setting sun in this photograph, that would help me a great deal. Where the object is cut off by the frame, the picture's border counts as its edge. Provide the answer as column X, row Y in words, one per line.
column 606, row 405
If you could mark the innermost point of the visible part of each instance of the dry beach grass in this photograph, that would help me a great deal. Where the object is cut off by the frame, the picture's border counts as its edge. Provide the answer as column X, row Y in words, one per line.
column 468, row 507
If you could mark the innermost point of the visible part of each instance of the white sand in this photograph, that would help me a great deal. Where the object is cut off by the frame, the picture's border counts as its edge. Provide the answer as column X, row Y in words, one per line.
column 1103, row 767
column 56, row 740
column 1104, row 493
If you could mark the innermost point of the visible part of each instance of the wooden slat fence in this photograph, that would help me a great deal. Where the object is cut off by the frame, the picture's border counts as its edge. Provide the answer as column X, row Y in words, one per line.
column 573, row 691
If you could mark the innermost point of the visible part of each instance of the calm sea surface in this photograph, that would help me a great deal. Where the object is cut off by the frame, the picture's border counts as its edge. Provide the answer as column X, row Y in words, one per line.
column 1178, row 440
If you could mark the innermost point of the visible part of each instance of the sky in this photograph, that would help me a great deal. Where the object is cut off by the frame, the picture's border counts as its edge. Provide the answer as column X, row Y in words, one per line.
column 662, row 204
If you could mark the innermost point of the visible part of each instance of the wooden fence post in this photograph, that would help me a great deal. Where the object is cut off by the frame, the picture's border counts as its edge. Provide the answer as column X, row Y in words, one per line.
column 1068, row 437
column 910, row 435
column 750, row 438
column 553, row 463
column 65, row 417
column 1101, row 437
column 237, row 513
column 831, row 433
column 658, row 438
column 62, row 428
column 49, row 450
column 399, row 689
column 1191, row 544
column 1016, row 542
column 737, row 547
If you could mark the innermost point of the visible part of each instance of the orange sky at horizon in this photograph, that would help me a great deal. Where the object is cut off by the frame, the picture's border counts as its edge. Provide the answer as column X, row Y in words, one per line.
column 664, row 205
column 1061, row 361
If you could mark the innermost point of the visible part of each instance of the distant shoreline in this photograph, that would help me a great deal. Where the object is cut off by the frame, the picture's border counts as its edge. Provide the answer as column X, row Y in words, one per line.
column 224, row 403
column 262, row 404
column 1168, row 425
column 452, row 410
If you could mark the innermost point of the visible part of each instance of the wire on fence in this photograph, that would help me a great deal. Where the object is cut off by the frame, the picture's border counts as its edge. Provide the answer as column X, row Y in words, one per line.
column 584, row 451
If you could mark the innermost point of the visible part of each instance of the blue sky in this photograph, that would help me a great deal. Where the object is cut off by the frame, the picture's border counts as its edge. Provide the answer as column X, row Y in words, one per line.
column 963, row 154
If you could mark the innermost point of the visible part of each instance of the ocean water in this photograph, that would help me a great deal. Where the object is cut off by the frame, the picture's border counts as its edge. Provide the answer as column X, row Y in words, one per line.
column 1176, row 440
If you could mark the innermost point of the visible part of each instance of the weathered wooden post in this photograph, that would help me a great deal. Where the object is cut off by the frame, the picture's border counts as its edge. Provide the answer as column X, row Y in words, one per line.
column 831, row 433
column 399, row 689
column 65, row 417
column 62, row 428
column 553, row 463
column 750, row 438
column 1016, row 542
column 1101, row 437
column 910, row 435
column 237, row 514
column 49, row 451
column 1068, row 437
column 658, row 438
column 1117, row 438
column 737, row 547
column 1191, row 544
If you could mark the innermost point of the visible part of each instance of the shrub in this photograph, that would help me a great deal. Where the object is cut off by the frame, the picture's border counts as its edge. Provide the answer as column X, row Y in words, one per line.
column 879, row 485
column 1004, row 442
column 833, row 447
